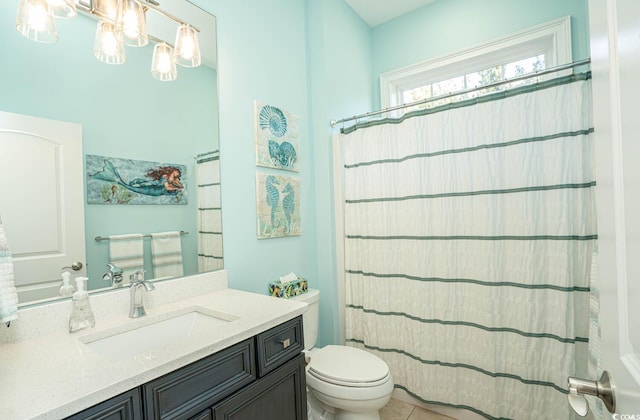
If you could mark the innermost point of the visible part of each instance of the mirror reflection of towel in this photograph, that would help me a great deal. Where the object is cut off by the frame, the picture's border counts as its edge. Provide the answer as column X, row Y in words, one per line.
column 8, row 293
column 166, row 255
column 127, row 252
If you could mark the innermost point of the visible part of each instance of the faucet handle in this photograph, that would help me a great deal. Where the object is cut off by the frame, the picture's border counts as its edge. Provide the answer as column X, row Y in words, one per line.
column 114, row 275
column 114, row 269
column 137, row 276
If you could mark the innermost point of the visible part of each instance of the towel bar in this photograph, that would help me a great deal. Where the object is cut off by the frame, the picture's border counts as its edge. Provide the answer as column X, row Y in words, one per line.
column 100, row 238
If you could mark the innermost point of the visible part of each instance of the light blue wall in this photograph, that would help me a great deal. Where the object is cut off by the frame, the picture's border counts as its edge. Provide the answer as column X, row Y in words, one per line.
column 340, row 84
column 444, row 27
column 124, row 112
column 314, row 63
column 262, row 56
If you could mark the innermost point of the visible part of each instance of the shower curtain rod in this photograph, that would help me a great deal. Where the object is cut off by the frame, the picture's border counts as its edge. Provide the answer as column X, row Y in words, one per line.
column 555, row 69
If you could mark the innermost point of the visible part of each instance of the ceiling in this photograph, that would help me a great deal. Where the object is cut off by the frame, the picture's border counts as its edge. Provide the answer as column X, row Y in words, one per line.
column 375, row 12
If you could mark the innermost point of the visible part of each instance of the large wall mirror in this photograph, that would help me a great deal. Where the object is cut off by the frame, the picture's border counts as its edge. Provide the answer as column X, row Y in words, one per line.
column 121, row 113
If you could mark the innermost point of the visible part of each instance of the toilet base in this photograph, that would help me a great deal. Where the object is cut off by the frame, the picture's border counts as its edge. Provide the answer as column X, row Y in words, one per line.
column 320, row 411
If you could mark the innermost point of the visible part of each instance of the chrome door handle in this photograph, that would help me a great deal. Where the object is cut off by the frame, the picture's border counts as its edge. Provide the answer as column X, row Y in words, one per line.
column 76, row 266
column 602, row 388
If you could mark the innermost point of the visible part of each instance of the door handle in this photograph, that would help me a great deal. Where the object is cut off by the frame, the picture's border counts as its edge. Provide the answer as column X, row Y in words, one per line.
column 76, row 266
column 602, row 388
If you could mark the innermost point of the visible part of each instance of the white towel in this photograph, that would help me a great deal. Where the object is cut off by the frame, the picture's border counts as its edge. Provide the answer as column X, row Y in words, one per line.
column 166, row 255
column 8, row 293
column 127, row 252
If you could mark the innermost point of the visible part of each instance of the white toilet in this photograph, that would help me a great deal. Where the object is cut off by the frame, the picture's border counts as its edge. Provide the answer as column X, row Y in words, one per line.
column 343, row 383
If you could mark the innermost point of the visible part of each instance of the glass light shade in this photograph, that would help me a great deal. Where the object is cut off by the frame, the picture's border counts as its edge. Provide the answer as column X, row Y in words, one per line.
column 108, row 46
column 106, row 8
column 163, row 65
column 64, row 9
column 35, row 22
column 133, row 23
column 187, row 51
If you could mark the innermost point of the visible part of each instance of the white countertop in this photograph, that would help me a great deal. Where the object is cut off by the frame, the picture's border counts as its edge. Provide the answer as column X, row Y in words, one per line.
column 56, row 375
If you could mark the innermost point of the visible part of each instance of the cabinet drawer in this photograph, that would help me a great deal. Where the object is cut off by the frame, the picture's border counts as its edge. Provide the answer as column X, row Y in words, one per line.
column 190, row 390
column 278, row 345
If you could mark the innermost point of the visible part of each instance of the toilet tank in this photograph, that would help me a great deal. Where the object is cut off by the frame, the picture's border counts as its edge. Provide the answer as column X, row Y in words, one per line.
column 311, row 318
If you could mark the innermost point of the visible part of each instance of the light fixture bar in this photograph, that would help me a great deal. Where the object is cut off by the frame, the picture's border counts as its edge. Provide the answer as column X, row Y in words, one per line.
column 153, row 6
column 120, row 22
column 88, row 7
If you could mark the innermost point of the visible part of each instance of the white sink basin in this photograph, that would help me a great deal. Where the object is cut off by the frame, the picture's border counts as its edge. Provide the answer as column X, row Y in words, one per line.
column 117, row 344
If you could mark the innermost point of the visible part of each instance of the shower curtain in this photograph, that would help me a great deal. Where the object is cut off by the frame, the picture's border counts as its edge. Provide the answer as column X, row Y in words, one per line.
column 469, row 233
column 209, row 213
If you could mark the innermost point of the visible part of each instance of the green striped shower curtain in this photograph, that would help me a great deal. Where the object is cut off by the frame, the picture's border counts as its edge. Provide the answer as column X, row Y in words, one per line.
column 469, row 236
column 209, row 213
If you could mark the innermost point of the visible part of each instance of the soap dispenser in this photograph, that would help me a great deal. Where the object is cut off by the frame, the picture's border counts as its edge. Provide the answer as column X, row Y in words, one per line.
column 81, row 314
column 66, row 289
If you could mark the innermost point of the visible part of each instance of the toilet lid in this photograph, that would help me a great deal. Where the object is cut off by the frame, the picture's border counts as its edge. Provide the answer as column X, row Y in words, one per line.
column 348, row 366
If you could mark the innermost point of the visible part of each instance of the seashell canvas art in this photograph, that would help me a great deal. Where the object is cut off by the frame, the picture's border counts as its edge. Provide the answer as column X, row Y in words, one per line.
column 276, row 137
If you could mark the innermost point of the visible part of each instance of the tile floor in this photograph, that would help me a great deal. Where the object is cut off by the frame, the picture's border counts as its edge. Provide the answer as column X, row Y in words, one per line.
column 400, row 410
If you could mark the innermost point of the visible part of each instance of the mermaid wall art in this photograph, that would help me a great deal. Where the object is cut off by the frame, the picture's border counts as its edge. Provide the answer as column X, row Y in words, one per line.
column 125, row 181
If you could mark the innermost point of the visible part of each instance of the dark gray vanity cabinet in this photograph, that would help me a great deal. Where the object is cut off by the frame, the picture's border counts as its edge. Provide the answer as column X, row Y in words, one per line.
column 262, row 377
column 127, row 406
column 280, row 391
column 184, row 393
column 280, row 395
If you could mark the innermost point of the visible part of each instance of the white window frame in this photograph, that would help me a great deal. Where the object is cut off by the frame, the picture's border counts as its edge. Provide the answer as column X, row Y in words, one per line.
column 553, row 39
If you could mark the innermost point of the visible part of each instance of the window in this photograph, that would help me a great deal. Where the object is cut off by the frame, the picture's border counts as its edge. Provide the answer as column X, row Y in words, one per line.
column 524, row 52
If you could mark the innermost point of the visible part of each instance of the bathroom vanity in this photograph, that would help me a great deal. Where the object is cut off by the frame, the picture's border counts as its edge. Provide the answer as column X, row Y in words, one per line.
column 261, row 377
column 240, row 358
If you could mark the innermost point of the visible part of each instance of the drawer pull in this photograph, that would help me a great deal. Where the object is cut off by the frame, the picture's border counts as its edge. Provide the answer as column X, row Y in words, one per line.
column 285, row 343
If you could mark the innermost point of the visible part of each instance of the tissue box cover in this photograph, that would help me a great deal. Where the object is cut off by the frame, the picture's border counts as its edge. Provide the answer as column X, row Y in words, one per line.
column 287, row 290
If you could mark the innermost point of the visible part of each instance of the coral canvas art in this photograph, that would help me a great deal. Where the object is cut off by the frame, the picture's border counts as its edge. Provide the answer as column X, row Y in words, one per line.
column 278, row 205
column 276, row 137
column 125, row 181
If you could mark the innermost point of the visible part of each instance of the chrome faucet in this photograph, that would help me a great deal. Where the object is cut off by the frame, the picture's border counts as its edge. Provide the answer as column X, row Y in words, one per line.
column 136, row 308
column 114, row 275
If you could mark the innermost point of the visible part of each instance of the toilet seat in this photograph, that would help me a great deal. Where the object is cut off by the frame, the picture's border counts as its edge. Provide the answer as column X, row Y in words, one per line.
column 348, row 366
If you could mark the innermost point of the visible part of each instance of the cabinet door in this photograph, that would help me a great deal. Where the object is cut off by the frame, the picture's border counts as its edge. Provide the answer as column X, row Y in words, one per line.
column 185, row 392
column 281, row 395
column 205, row 415
column 125, row 406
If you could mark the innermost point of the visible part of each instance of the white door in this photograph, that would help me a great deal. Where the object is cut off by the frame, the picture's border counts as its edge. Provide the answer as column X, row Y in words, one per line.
column 615, row 54
column 42, row 200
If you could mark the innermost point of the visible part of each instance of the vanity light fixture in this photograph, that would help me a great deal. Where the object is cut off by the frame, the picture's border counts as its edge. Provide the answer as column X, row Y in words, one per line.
column 35, row 22
column 163, row 65
column 108, row 46
column 187, row 50
column 104, row 8
column 120, row 22
column 134, row 23
column 64, row 9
